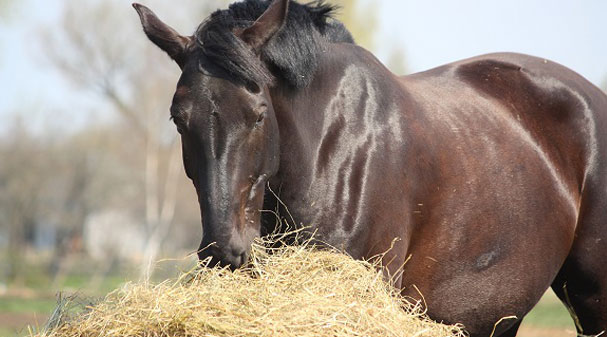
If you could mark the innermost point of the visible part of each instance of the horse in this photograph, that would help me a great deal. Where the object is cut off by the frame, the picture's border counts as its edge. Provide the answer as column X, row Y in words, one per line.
column 484, row 180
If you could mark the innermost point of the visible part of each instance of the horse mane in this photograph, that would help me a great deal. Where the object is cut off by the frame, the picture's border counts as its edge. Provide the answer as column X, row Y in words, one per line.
column 291, row 55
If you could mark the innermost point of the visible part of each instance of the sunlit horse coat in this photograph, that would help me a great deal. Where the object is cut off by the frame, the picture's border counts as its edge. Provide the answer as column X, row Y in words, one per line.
column 488, row 176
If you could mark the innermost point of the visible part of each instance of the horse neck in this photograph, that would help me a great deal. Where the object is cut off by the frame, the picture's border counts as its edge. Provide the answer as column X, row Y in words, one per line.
column 344, row 121
column 350, row 84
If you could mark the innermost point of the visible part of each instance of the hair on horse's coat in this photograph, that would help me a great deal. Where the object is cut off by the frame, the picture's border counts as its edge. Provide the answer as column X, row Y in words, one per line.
column 378, row 165
column 291, row 55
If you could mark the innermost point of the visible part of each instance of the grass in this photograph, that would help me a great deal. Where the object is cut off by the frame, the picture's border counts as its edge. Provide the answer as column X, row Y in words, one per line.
column 549, row 313
column 17, row 313
column 33, row 298
column 80, row 282
column 31, row 302
column 18, row 305
column 6, row 331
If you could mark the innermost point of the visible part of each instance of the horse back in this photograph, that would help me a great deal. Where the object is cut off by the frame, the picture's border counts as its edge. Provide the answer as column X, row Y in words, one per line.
column 557, row 109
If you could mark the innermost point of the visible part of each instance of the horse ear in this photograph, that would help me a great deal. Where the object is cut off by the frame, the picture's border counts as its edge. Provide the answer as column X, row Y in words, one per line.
column 165, row 37
column 268, row 24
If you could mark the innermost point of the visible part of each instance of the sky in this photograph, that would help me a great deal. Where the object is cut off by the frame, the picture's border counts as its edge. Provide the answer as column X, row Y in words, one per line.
column 430, row 32
column 27, row 81
column 435, row 32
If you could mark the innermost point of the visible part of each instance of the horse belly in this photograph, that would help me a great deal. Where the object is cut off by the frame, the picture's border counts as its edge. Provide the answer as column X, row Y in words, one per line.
column 495, row 230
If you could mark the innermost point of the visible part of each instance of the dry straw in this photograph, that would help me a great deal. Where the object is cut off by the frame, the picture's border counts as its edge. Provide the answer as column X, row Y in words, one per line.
column 292, row 291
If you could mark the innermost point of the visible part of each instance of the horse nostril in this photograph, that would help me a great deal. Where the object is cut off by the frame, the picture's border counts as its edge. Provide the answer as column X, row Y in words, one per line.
column 207, row 259
column 236, row 257
column 212, row 256
column 209, row 255
column 243, row 259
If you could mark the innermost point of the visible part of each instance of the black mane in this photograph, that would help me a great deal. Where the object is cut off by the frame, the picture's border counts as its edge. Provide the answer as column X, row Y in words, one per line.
column 292, row 54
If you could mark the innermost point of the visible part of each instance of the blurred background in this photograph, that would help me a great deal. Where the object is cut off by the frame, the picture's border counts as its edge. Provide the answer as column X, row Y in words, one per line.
column 92, row 190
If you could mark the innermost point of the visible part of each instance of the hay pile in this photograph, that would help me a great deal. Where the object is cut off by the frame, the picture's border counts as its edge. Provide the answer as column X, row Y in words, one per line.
column 292, row 292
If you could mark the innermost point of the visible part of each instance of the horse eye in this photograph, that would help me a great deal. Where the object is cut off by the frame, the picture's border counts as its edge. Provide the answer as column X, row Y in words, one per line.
column 253, row 88
column 178, row 124
column 262, row 112
column 260, row 118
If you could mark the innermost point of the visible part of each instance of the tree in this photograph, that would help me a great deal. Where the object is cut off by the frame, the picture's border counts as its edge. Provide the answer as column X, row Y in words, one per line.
column 102, row 49
column 360, row 19
column 397, row 62
column 20, row 177
column 48, row 183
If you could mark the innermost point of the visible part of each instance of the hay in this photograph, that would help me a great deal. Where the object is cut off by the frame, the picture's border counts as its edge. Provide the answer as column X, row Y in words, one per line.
column 291, row 292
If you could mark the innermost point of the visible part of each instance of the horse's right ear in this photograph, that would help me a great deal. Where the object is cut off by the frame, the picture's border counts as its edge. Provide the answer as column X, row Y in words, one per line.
column 165, row 37
column 268, row 24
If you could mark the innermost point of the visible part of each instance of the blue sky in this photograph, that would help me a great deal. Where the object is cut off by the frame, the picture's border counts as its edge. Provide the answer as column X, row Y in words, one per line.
column 431, row 33
column 434, row 32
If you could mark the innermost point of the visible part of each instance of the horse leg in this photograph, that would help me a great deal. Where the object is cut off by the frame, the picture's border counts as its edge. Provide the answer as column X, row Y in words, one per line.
column 581, row 284
column 512, row 331
column 584, row 294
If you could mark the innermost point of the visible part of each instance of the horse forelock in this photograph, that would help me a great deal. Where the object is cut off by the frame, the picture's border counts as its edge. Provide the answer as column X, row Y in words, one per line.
column 291, row 55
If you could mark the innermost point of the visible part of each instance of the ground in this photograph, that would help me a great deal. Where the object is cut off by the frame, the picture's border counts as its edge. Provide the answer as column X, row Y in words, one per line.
column 530, row 331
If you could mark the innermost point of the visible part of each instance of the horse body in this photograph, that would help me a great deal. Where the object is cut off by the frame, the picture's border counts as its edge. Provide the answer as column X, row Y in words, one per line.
column 513, row 140
column 483, row 182
column 477, row 167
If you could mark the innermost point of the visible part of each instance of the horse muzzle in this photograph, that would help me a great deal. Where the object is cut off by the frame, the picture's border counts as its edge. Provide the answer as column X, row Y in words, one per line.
column 228, row 236
column 212, row 255
column 231, row 250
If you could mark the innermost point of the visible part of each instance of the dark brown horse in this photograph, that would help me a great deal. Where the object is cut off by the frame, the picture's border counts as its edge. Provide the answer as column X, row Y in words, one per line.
column 491, row 172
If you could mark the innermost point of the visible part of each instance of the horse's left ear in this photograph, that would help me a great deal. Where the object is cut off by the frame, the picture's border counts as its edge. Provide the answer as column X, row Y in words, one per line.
column 268, row 24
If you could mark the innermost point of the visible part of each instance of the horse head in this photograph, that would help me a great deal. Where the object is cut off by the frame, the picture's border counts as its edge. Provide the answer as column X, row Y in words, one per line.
column 227, row 123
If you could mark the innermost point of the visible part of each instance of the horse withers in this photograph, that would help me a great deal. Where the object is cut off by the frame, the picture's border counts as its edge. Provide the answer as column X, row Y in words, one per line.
column 487, row 176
